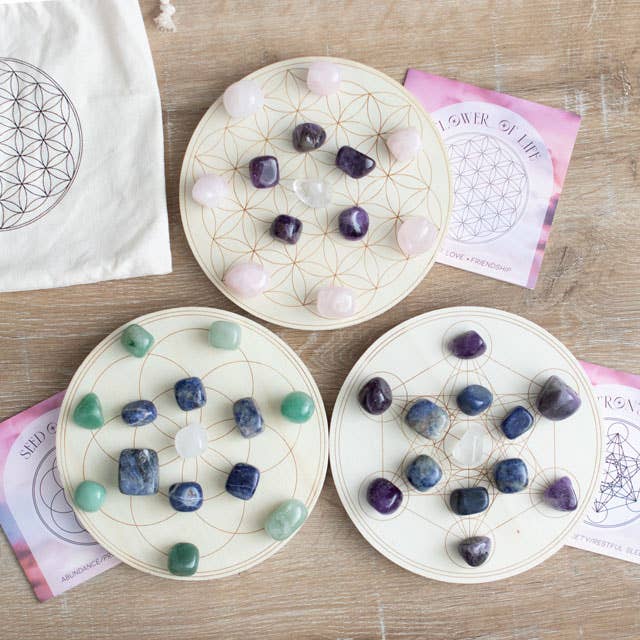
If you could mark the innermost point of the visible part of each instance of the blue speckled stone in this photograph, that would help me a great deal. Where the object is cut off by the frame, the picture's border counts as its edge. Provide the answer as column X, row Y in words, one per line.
column 475, row 550
column 426, row 418
column 247, row 417
column 424, row 472
column 469, row 500
column 516, row 423
column 139, row 412
column 138, row 472
column 474, row 399
column 190, row 394
column 511, row 475
column 185, row 496
column 243, row 481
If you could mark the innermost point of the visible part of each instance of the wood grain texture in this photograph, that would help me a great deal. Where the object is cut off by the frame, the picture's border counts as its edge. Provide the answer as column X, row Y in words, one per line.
column 328, row 582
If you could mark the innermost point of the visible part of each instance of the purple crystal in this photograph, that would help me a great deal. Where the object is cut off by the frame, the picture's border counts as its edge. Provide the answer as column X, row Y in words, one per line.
column 308, row 136
column 264, row 172
column 475, row 550
column 561, row 496
column 557, row 400
column 354, row 163
column 468, row 345
column 384, row 496
column 286, row 228
column 354, row 223
column 375, row 396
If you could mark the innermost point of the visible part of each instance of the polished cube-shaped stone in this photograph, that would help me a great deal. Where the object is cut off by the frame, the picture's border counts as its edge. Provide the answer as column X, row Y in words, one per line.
column 516, row 422
column 139, row 412
column 190, row 394
column 242, row 481
column 286, row 519
column 511, row 475
column 225, row 335
column 247, row 417
column 136, row 340
column 424, row 473
column 138, row 472
column 474, row 399
column 469, row 500
column 184, row 558
column 186, row 496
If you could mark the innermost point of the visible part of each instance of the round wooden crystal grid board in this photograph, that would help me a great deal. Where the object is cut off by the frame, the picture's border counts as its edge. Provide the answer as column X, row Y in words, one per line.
column 368, row 107
column 229, row 532
column 423, row 534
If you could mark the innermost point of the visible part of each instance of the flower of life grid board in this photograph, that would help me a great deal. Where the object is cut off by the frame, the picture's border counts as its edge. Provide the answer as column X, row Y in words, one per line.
column 368, row 107
column 423, row 534
column 229, row 532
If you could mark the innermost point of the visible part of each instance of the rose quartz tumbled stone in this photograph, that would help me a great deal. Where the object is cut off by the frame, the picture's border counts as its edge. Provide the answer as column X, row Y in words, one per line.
column 324, row 77
column 247, row 279
column 416, row 236
column 243, row 98
column 404, row 144
column 336, row 302
column 209, row 190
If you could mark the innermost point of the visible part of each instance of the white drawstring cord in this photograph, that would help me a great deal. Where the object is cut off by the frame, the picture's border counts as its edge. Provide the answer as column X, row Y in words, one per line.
column 164, row 20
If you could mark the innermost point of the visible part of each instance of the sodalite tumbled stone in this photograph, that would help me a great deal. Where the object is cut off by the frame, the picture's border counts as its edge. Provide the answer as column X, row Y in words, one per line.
column 247, row 417
column 185, row 496
column 264, row 172
column 511, row 475
column 475, row 550
column 89, row 496
column 138, row 472
column 384, row 496
column 468, row 345
column 424, row 473
column 242, row 481
column 426, row 418
column 561, row 495
column 139, row 412
column 516, row 422
column 557, row 400
column 297, row 407
column 190, row 394
column 88, row 412
column 375, row 396
column 225, row 335
column 353, row 163
column 474, row 399
column 286, row 519
column 308, row 136
column 469, row 500
column 136, row 340
column 184, row 558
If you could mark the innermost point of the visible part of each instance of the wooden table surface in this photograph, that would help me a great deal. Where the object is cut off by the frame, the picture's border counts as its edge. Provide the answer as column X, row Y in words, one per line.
column 328, row 582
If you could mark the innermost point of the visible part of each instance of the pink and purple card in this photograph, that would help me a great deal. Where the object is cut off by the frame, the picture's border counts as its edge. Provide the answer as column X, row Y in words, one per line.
column 509, row 158
column 612, row 524
column 54, row 550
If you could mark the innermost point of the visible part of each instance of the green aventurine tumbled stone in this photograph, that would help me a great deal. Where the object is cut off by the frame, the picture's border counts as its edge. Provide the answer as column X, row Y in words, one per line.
column 297, row 406
column 224, row 335
column 286, row 519
column 89, row 495
column 88, row 413
column 183, row 559
column 136, row 340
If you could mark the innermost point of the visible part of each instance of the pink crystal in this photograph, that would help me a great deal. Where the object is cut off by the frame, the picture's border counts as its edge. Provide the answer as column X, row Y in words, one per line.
column 336, row 302
column 404, row 144
column 209, row 190
column 416, row 236
column 324, row 77
column 243, row 98
column 247, row 279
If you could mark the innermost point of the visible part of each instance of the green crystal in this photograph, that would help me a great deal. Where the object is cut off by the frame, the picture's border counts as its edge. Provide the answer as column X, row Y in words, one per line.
column 183, row 559
column 88, row 413
column 297, row 406
column 89, row 495
column 286, row 519
column 224, row 335
column 136, row 340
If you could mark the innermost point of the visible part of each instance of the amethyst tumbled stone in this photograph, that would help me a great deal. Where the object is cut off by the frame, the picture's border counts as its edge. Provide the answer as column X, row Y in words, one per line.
column 308, row 136
column 384, row 496
column 375, row 396
column 557, row 400
column 264, row 172
column 560, row 495
column 286, row 228
column 353, row 163
column 475, row 550
column 468, row 345
column 353, row 223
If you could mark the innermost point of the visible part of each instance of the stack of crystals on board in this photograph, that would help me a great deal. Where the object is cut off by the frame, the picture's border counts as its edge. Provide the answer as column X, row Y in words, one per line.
column 415, row 235
column 556, row 401
column 138, row 469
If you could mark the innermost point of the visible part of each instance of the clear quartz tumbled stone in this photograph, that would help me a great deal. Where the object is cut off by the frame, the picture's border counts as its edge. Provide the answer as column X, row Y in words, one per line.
column 313, row 192
column 473, row 448
column 191, row 441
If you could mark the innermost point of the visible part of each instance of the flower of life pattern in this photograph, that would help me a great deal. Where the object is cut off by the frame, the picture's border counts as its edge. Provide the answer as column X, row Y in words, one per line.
column 368, row 107
column 490, row 185
column 40, row 143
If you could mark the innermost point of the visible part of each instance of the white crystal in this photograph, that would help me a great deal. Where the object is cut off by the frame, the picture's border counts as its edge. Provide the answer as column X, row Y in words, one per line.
column 191, row 441
column 313, row 192
column 473, row 448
